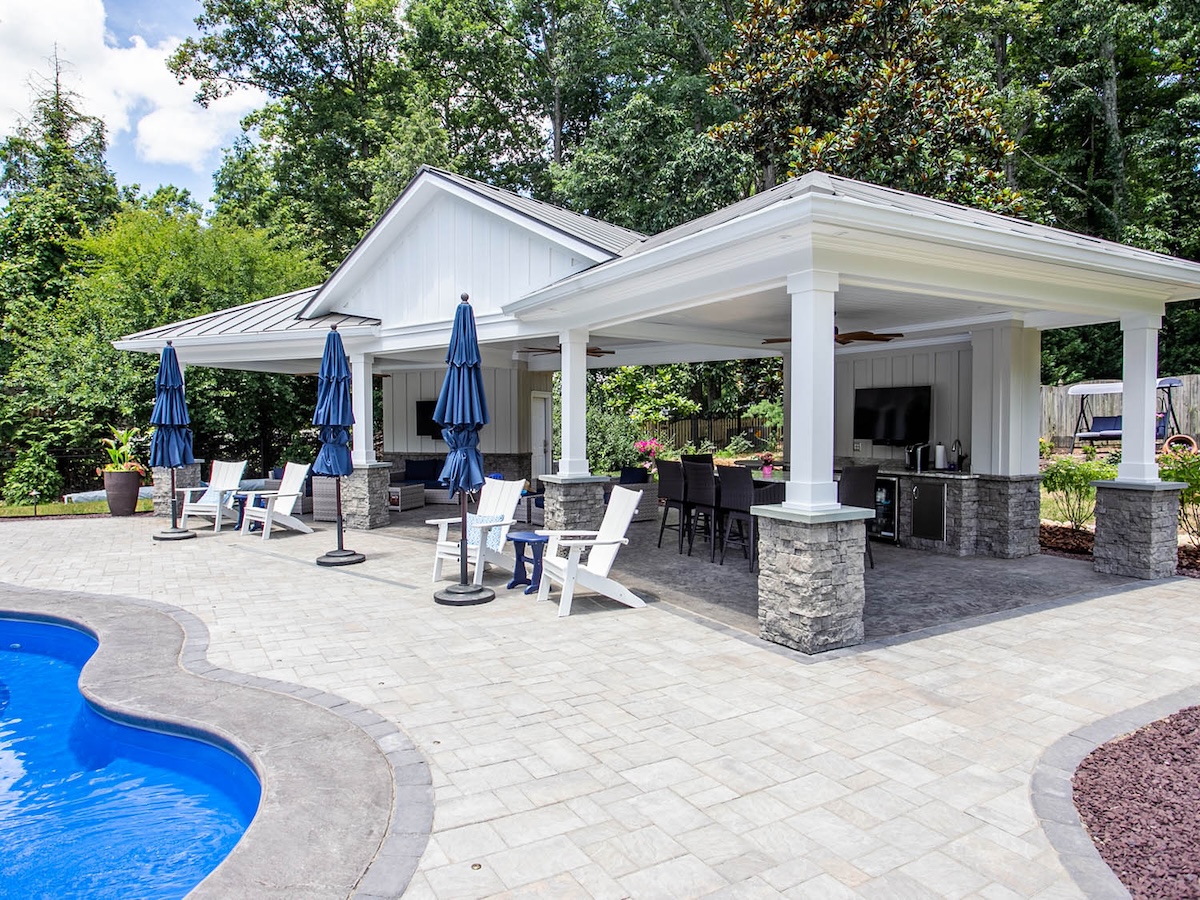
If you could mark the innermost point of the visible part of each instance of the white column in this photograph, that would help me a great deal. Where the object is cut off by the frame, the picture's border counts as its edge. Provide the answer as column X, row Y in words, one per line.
column 810, row 486
column 1138, row 405
column 787, row 403
column 362, row 445
column 574, row 403
column 1005, row 400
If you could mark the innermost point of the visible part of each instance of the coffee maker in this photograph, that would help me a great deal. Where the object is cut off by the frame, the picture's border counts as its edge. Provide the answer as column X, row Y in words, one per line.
column 916, row 456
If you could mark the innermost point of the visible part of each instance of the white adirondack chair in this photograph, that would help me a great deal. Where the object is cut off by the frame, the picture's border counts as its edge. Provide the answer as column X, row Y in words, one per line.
column 486, row 532
column 215, row 501
column 280, row 505
column 604, row 544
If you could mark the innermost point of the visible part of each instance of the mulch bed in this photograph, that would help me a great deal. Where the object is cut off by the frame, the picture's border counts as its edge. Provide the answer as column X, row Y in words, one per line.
column 1063, row 540
column 1139, row 798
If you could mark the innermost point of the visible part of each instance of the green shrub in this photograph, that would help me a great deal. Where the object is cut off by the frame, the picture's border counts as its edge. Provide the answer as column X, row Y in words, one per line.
column 1045, row 448
column 1184, row 466
column 739, row 445
column 611, row 440
column 34, row 470
column 1070, row 482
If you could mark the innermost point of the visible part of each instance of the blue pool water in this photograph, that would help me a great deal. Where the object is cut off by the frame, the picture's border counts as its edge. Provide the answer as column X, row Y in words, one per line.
column 92, row 808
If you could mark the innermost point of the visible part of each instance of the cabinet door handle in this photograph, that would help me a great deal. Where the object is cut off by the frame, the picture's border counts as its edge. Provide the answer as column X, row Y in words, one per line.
column 916, row 491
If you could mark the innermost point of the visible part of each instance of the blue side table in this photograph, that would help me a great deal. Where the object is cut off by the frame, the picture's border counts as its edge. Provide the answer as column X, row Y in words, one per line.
column 537, row 545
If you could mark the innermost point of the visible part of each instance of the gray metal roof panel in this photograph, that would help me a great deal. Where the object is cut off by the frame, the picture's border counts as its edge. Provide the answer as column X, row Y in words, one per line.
column 272, row 315
column 611, row 238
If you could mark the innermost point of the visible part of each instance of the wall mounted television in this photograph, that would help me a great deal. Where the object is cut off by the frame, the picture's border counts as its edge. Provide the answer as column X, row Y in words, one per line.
column 426, row 427
column 896, row 416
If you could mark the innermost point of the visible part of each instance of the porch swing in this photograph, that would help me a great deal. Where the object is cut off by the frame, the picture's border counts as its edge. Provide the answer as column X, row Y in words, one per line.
column 1093, row 428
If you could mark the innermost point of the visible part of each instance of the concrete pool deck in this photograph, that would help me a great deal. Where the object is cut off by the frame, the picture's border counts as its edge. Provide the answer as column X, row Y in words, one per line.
column 647, row 753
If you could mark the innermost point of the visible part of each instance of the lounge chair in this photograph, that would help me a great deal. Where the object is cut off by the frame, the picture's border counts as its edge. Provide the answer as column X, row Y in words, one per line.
column 215, row 501
column 279, row 506
column 604, row 544
column 487, row 529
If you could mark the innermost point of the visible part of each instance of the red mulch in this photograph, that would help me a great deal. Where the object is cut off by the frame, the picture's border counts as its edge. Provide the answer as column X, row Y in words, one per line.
column 1063, row 540
column 1139, row 798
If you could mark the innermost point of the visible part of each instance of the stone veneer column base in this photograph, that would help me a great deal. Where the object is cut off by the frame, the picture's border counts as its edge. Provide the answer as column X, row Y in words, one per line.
column 810, row 577
column 185, row 476
column 365, row 496
column 574, row 502
column 1137, row 528
column 1009, row 515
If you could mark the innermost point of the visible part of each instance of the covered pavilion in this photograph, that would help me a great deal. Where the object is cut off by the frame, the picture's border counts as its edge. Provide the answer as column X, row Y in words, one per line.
column 970, row 291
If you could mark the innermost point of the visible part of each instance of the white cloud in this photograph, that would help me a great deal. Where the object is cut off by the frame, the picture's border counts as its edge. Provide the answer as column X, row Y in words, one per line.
column 128, row 86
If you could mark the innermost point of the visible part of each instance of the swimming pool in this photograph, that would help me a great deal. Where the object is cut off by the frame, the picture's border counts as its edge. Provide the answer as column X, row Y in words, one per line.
column 92, row 807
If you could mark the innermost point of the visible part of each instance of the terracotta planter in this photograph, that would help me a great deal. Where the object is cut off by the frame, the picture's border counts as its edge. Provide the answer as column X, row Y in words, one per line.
column 121, row 492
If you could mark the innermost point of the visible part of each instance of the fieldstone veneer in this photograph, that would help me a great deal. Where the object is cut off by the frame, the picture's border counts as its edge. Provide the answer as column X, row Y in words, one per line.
column 185, row 476
column 1137, row 528
column 810, row 580
column 574, row 502
column 365, row 496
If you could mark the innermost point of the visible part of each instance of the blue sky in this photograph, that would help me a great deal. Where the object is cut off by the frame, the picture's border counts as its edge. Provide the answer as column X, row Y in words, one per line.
column 114, row 53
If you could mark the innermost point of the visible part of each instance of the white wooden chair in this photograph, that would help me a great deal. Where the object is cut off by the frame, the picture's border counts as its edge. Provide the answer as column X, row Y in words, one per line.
column 604, row 544
column 215, row 501
column 281, row 505
column 487, row 529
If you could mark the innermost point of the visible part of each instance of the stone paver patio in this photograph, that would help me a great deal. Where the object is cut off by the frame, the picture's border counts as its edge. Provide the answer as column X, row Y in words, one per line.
column 644, row 753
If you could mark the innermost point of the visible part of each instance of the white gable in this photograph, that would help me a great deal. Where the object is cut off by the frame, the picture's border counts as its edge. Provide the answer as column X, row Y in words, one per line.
column 454, row 246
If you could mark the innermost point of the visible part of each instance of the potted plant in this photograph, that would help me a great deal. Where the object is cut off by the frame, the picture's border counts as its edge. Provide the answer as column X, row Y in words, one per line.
column 122, row 473
column 768, row 464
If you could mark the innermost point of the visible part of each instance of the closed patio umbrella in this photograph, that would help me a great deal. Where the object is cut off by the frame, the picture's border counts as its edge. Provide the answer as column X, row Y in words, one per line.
column 461, row 410
column 334, row 415
column 171, row 444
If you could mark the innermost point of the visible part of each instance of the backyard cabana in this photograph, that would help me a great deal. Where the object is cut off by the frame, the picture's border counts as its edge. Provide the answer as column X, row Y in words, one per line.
column 969, row 292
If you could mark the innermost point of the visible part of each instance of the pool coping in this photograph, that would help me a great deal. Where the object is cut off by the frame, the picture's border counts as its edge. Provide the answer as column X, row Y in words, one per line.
column 347, row 799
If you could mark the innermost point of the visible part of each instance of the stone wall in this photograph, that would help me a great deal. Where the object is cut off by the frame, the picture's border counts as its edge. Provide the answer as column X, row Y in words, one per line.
column 185, row 476
column 1009, row 515
column 365, row 497
column 810, row 583
column 1137, row 529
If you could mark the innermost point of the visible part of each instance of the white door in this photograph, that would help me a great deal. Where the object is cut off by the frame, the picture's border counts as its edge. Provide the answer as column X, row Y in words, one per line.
column 542, row 437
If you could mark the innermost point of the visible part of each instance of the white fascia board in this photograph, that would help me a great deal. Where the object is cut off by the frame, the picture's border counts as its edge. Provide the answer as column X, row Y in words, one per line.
column 491, row 328
column 682, row 334
column 792, row 214
column 1039, row 243
column 267, row 345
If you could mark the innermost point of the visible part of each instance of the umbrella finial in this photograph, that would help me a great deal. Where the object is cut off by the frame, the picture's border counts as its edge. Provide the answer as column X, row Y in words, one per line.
column 464, row 298
column 333, row 327
column 169, row 344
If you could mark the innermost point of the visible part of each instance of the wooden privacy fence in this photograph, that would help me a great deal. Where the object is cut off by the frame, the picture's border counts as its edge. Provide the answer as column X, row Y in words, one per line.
column 697, row 430
column 1059, row 410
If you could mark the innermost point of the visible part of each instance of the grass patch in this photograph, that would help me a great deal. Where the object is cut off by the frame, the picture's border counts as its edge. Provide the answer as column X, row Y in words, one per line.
column 95, row 507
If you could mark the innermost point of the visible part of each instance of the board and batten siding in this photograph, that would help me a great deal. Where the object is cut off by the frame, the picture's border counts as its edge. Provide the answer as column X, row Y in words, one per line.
column 454, row 248
column 508, row 399
column 947, row 368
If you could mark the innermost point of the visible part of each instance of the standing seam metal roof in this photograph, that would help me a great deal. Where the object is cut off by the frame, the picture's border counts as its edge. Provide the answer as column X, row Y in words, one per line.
column 272, row 315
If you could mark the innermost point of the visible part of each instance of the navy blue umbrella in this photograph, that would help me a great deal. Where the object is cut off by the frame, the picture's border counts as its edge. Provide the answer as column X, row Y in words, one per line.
column 461, row 410
column 334, row 415
column 171, row 445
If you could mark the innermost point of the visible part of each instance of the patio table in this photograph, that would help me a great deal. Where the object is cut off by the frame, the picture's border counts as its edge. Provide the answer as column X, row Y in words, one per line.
column 537, row 545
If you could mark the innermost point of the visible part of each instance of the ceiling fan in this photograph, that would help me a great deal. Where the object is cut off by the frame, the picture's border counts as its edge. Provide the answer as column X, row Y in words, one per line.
column 848, row 337
column 591, row 351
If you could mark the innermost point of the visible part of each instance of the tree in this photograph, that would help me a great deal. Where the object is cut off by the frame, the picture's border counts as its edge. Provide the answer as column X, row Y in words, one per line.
column 863, row 88
column 156, row 262
column 337, row 86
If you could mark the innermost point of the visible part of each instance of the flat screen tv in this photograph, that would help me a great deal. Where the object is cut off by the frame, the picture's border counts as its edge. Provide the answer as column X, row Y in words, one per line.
column 426, row 427
column 896, row 416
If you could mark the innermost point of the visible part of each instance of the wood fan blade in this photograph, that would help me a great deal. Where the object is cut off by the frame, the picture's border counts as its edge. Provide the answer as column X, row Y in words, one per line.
column 777, row 340
column 591, row 351
column 596, row 351
column 848, row 336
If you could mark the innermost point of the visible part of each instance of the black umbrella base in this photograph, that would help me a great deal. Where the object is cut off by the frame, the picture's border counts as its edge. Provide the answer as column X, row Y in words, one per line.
column 464, row 595
column 173, row 534
column 340, row 558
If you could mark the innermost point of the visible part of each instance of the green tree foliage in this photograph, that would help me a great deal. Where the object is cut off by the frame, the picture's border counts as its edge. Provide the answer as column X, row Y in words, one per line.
column 863, row 88
column 33, row 478
column 337, row 88
column 155, row 262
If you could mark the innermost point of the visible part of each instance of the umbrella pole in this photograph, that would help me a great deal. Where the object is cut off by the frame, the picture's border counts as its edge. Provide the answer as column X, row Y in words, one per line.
column 464, row 593
column 174, row 533
column 341, row 556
